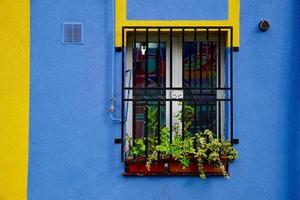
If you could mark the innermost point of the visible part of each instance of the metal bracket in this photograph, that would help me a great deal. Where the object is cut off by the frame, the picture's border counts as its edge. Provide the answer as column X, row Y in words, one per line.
column 118, row 141
column 235, row 141
column 118, row 49
column 236, row 49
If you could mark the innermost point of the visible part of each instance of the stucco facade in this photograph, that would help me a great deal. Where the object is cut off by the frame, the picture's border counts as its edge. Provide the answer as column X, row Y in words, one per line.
column 71, row 147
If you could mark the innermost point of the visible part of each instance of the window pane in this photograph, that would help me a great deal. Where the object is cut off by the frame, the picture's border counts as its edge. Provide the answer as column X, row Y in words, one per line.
column 200, row 64
column 200, row 71
column 156, row 64
column 156, row 73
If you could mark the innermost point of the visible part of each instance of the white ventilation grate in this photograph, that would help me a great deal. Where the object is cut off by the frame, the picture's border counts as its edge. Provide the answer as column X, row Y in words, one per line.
column 72, row 33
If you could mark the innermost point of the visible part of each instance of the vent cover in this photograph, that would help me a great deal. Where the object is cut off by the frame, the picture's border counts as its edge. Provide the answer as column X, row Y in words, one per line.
column 72, row 33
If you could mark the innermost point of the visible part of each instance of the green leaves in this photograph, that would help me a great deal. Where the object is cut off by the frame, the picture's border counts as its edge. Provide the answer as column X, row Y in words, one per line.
column 210, row 150
column 203, row 146
column 152, row 119
column 182, row 149
column 153, row 156
column 164, row 146
column 228, row 150
column 139, row 147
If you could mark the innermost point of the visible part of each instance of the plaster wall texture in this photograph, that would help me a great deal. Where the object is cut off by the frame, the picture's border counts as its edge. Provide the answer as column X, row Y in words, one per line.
column 71, row 149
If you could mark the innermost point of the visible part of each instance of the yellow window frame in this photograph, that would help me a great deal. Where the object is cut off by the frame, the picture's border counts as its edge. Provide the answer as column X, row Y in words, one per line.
column 233, row 21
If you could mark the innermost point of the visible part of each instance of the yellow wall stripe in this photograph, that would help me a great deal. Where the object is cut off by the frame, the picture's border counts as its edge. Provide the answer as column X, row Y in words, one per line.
column 14, row 97
column 233, row 20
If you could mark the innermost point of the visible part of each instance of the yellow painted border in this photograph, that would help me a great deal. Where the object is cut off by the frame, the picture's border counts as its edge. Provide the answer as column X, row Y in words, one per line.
column 14, row 98
column 233, row 20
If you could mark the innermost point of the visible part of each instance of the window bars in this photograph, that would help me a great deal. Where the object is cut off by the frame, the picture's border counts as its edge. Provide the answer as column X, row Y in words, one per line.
column 206, row 84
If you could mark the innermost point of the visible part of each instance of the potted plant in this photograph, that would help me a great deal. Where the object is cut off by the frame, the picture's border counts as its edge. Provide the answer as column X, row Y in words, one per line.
column 201, row 153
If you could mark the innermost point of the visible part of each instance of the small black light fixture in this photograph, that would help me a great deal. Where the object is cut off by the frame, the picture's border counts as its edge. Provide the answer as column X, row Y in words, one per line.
column 264, row 25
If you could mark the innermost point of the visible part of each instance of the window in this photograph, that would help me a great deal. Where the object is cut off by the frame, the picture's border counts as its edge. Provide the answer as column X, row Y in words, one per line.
column 167, row 70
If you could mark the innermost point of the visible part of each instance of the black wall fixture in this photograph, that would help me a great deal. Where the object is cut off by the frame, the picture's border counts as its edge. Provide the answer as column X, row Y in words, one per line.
column 264, row 25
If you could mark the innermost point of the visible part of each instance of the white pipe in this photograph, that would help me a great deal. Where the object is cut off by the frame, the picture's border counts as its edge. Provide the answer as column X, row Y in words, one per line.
column 112, row 97
column 112, row 49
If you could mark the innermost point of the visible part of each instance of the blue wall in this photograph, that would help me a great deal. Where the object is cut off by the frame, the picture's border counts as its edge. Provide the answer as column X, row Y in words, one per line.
column 170, row 9
column 72, row 154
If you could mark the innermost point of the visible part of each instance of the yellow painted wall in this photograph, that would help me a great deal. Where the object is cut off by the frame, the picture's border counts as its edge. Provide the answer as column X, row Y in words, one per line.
column 14, row 97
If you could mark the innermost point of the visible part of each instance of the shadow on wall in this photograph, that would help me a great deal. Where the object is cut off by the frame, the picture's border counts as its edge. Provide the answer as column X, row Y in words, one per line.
column 293, row 110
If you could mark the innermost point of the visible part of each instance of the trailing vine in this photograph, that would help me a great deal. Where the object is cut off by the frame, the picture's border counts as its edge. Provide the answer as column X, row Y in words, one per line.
column 203, row 146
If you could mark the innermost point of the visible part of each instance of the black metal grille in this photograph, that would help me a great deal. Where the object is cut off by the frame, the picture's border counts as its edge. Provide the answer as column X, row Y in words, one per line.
column 206, row 82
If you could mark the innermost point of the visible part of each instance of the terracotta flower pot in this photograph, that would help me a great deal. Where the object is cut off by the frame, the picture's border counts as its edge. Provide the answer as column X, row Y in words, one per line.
column 169, row 167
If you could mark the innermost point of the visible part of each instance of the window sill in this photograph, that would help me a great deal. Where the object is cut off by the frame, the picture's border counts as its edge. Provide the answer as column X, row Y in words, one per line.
column 170, row 167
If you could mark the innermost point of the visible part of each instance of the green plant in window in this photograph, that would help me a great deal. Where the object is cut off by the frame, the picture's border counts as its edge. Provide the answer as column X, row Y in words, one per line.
column 203, row 146
column 164, row 145
column 139, row 147
column 152, row 119
column 186, row 115
column 151, row 157
column 228, row 150
column 136, row 147
column 181, row 149
column 152, row 138
column 210, row 150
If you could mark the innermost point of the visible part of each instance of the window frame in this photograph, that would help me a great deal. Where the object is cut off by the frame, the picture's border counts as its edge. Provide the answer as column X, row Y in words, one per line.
column 177, row 50
column 177, row 78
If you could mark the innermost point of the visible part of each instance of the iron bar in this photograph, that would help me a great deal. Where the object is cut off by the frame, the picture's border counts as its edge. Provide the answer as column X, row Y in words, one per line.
column 134, row 120
column 134, row 85
column 207, row 57
column 183, row 85
column 211, row 64
column 231, row 85
column 190, row 64
column 158, row 70
column 158, row 84
column 122, row 94
column 200, row 116
column 171, row 82
column 175, row 88
column 219, row 120
column 158, row 125
column 195, row 57
column 219, row 58
column 177, row 27
column 195, row 117
column 146, row 128
column 200, row 49
column 146, row 58
column 197, row 95
column 179, row 100
column 207, row 116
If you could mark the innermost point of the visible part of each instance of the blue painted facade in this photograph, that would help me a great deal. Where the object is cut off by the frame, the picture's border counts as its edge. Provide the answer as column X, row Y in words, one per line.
column 170, row 9
column 72, row 154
